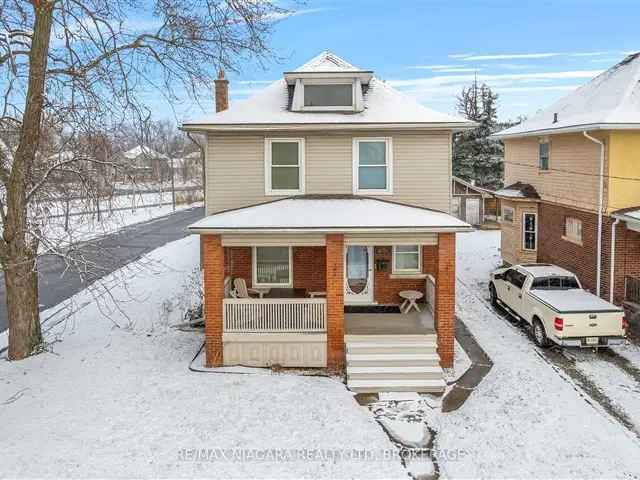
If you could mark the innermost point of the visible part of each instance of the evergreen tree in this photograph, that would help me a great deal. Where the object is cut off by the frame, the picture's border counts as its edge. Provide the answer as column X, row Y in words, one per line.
column 476, row 157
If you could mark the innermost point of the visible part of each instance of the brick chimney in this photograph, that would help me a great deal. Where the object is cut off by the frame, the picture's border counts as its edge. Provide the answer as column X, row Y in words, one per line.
column 222, row 91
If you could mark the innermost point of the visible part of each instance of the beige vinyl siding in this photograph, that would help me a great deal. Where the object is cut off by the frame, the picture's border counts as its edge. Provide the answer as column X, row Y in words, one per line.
column 421, row 168
column 511, row 237
column 574, row 163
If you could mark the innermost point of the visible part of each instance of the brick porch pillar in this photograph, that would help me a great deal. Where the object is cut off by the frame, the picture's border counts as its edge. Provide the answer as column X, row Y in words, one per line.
column 213, row 265
column 335, row 301
column 446, row 297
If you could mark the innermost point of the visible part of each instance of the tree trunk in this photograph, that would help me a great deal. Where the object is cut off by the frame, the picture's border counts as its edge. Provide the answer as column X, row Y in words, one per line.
column 20, row 246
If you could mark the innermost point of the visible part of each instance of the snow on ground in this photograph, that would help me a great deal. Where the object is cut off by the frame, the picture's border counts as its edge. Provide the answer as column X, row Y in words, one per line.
column 525, row 418
column 110, row 401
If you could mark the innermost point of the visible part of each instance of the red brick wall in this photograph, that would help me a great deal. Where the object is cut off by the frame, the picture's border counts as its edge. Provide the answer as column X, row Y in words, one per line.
column 386, row 288
column 213, row 266
column 581, row 259
column 309, row 268
column 335, row 301
column 446, row 297
column 237, row 263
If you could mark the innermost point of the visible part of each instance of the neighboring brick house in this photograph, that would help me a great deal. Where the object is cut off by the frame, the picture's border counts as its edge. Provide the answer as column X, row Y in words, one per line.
column 329, row 193
column 573, row 176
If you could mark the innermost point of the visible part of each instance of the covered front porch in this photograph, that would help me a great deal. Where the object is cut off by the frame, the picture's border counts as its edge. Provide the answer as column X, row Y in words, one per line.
column 302, row 283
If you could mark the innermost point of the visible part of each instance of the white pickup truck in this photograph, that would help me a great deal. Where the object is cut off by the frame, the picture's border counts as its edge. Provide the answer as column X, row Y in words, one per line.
column 551, row 300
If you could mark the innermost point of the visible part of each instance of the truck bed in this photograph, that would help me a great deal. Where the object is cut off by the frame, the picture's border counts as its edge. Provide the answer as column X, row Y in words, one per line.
column 573, row 301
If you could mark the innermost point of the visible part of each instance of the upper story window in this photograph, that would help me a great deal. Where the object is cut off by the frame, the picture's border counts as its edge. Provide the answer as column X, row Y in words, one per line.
column 284, row 166
column 543, row 155
column 336, row 95
column 372, row 166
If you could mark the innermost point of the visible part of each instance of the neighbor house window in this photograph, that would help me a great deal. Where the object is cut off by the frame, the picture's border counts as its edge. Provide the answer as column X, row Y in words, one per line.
column 284, row 166
column 543, row 155
column 407, row 259
column 507, row 214
column 272, row 266
column 529, row 231
column 372, row 165
column 573, row 229
column 334, row 95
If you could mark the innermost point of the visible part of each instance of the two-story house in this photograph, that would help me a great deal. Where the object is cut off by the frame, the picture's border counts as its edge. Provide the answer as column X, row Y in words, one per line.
column 328, row 196
column 573, row 185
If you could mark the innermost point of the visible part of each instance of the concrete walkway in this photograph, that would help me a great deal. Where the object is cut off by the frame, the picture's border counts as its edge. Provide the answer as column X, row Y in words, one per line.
column 481, row 364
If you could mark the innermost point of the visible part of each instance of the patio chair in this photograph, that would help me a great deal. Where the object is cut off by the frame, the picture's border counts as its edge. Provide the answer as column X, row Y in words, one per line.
column 240, row 289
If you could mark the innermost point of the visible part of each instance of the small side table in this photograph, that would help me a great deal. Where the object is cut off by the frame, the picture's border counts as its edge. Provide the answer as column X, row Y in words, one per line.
column 410, row 298
column 261, row 291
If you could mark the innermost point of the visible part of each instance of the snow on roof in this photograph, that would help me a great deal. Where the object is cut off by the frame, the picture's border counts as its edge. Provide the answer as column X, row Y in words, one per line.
column 383, row 104
column 632, row 214
column 142, row 150
column 518, row 190
column 327, row 62
column 611, row 100
column 331, row 213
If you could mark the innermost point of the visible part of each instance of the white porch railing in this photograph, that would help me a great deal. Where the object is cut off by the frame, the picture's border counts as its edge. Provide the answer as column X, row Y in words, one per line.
column 431, row 294
column 274, row 315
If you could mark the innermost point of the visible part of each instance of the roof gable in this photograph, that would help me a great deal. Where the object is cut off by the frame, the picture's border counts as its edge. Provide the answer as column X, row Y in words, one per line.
column 327, row 62
column 609, row 100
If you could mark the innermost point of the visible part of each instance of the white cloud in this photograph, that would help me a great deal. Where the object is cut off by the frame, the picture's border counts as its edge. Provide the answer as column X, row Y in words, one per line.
column 445, row 68
column 516, row 56
column 293, row 13
column 432, row 67
column 255, row 82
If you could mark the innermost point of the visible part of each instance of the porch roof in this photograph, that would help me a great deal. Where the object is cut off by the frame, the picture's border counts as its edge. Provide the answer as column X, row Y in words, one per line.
column 330, row 213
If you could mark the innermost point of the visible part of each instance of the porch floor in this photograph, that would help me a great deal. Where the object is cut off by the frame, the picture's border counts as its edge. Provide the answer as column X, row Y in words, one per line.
column 413, row 323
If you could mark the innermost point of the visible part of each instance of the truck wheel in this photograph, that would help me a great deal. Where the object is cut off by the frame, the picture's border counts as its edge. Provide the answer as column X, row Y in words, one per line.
column 539, row 335
column 493, row 295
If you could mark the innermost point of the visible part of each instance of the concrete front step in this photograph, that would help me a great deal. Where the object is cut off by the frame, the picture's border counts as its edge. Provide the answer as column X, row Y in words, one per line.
column 389, row 347
column 401, row 372
column 416, row 338
column 392, row 359
column 395, row 385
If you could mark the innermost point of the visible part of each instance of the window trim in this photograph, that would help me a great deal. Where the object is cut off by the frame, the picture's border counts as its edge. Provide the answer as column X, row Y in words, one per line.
column 268, row 190
column 406, row 271
column 513, row 213
column 254, row 269
column 535, row 247
column 356, row 166
column 543, row 141
column 571, row 238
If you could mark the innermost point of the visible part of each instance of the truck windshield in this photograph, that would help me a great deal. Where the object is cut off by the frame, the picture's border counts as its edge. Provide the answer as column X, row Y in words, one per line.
column 554, row 283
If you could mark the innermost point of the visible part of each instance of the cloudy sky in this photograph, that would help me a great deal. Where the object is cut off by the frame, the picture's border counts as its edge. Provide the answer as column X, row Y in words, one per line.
column 530, row 52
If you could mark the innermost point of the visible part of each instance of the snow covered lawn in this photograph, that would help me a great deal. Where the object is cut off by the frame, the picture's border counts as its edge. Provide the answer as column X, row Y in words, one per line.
column 526, row 418
column 120, row 401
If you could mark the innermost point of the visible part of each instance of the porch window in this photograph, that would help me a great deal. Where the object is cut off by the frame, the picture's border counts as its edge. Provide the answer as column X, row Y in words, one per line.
column 272, row 266
column 407, row 259
column 284, row 166
column 372, row 166
column 529, row 231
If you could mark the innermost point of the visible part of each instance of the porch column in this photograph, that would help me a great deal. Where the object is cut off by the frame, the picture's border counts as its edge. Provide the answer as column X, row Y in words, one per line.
column 335, row 300
column 446, row 297
column 213, row 263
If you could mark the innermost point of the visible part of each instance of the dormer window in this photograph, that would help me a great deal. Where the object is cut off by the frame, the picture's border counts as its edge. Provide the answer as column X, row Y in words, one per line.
column 337, row 95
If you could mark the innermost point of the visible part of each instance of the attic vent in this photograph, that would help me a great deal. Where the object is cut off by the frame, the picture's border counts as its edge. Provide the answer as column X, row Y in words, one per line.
column 555, row 118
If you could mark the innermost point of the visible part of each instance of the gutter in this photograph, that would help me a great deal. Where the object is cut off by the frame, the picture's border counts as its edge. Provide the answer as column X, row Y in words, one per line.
column 230, row 127
column 567, row 129
column 320, row 230
column 600, row 203
column 612, row 270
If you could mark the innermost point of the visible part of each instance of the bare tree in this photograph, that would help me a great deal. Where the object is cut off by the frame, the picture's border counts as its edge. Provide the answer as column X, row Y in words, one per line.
column 81, row 67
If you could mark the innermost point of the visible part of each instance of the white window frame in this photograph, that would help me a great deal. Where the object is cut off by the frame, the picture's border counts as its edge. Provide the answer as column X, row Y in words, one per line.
column 356, row 166
column 356, row 93
column 254, row 269
column 524, row 247
column 407, row 270
column 543, row 141
column 569, row 236
column 513, row 214
column 268, row 190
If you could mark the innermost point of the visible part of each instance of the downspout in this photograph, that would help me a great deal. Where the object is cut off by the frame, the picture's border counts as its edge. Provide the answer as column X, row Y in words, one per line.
column 600, row 203
column 612, row 269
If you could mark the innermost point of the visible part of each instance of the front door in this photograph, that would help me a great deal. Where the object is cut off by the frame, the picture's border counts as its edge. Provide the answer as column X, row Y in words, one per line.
column 358, row 273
